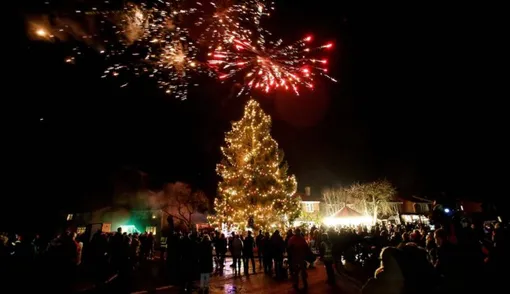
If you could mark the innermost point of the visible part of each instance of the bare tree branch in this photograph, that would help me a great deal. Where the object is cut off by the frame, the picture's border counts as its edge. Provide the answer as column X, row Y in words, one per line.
column 373, row 199
column 181, row 202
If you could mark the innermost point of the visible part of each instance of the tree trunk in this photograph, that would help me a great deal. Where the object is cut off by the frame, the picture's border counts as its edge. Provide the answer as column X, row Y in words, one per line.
column 189, row 224
column 374, row 221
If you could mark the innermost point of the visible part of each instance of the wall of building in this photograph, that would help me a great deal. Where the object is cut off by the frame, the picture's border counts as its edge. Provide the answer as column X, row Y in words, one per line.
column 141, row 219
column 315, row 206
column 409, row 206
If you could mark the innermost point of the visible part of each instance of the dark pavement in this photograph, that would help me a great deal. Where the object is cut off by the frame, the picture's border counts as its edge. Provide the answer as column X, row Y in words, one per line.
column 151, row 279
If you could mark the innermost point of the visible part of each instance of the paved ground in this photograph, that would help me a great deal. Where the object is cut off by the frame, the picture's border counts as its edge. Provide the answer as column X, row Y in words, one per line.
column 254, row 283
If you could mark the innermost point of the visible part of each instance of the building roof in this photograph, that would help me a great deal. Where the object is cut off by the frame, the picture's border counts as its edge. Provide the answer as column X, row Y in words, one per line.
column 305, row 197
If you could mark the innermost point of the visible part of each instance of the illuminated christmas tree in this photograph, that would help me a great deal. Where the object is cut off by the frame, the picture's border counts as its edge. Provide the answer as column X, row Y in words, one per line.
column 255, row 190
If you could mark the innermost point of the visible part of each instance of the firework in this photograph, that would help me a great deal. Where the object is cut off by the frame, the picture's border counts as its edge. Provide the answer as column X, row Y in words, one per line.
column 221, row 18
column 142, row 39
column 154, row 39
column 273, row 68
column 155, row 46
column 134, row 23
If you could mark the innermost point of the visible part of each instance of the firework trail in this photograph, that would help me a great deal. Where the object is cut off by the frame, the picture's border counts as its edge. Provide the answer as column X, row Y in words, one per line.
column 273, row 68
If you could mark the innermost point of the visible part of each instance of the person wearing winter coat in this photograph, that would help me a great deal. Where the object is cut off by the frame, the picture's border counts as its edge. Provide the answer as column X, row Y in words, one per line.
column 389, row 278
column 326, row 254
column 249, row 244
column 237, row 253
column 205, row 263
column 221, row 250
column 298, row 249
column 267, row 253
column 277, row 251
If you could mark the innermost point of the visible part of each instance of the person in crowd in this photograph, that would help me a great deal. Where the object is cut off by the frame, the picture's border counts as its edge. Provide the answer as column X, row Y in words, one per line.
column 134, row 250
column 205, row 261
column 298, row 249
column 326, row 254
column 248, row 245
column 221, row 250
column 388, row 278
column 267, row 254
column 237, row 254
column 188, row 261
column 259, row 243
column 150, row 245
column 277, row 252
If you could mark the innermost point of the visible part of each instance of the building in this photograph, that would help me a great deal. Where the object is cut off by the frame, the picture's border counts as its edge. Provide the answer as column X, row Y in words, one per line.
column 310, row 203
column 415, row 204
column 311, row 208
column 130, row 207
column 133, row 207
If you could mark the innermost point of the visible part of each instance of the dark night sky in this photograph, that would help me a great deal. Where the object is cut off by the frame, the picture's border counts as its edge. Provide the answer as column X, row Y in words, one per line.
column 416, row 103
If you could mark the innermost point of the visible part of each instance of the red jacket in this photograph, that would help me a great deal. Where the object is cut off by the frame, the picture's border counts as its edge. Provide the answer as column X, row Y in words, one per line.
column 298, row 249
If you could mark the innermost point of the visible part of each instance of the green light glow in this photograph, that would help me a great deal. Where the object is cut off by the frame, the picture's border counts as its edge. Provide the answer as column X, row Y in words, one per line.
column 130, row 229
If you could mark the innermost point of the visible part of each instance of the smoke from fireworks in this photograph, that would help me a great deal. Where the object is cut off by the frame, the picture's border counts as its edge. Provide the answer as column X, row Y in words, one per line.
column 273, row 68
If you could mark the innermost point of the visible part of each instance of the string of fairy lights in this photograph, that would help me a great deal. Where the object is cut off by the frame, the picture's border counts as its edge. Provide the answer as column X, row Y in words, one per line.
column 254, row 184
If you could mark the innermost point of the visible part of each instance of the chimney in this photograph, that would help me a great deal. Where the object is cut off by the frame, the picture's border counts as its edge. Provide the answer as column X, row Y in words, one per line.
column 308, row 191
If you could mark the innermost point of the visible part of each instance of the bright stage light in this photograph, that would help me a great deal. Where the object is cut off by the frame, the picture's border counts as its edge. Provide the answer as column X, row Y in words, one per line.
column 345, row 221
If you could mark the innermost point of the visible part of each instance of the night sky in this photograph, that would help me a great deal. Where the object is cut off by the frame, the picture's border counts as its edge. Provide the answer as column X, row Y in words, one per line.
column 416, row 103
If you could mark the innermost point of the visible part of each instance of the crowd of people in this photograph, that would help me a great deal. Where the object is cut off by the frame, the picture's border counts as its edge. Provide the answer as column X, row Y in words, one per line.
column 198, row 255
column 57, row 263
column 389, row 258
column 413, row 258
column 276, row 255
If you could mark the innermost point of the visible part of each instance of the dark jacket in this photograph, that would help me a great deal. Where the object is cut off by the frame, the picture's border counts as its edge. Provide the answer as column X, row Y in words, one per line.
column 205, row 257
column 221, row 246
column 249, row 244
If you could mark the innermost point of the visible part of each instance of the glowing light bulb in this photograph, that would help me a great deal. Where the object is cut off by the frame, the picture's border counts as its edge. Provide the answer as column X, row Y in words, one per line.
column 41, row 32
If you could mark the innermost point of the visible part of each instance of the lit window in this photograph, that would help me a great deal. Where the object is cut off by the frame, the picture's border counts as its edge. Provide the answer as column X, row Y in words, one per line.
column 106, row 228
column 70, row 217
column 308, row 207
column 151, row 229
column 81, row 230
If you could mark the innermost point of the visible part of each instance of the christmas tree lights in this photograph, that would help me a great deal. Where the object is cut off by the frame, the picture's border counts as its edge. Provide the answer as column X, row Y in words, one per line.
column 255, row 190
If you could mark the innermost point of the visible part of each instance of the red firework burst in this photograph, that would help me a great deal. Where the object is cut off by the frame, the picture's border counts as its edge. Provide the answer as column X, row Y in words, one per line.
column 272, row 67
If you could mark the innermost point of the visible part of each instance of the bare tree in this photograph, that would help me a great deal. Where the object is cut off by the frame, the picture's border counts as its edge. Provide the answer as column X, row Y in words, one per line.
column 334, row 199
column 180, row 201
column 373, row 198
column 358, row 199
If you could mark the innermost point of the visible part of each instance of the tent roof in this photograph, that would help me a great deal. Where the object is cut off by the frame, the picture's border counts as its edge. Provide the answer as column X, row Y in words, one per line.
column 346, row 212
